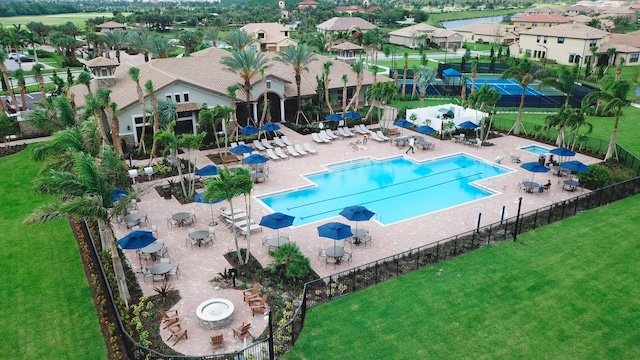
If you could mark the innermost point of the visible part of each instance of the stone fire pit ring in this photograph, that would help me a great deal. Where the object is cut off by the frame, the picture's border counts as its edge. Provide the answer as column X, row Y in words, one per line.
column 215, row 313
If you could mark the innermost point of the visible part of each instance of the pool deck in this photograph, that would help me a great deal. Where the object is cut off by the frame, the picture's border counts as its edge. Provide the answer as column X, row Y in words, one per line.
column 199, row 265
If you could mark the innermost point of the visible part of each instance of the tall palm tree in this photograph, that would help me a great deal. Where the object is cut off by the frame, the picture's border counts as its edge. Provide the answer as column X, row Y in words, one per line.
column 140, row 42
column 104, row 99
column 357, row 68
column 116, row 39
column 345, row 80
column 85, row 193
column 244, row 183
column 160, row 46
column 560, row 79
column 231, row 94
column 22, row 86
column 559, row 122
column 55, row 114
column 5, row 76
column 611, row 58
column 482, row 99
column 134, row 74
column 212, row 34
column 474, row 75
column 93, row 106
column 238, row 39
column 404, row 75
column 37, row 72
column 423, row 78
column 190, row 142
column 265, row 102
column 60, row 150
column 84, row 78
column 521, row 71
column 148, row 86
column 299, row 59
column 614, row 95
column 577, row 121
column 190, row 39
column 326, row 70
column 246, row 63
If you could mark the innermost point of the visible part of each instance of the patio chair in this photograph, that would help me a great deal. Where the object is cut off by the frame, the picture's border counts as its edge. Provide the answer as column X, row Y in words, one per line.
column 342, row 133
column 169, row 317
column 159, row 277
column 258, row 304
column 382, row 136
column 171, row 222
column 272, row 155
column 375, row 137
column 217, row 341
column 279, row 142
column 300, row 150
column 292, row 151
column 366, row 240
column 322, row 135
column 233, row 144
column 227, row 213
column 321, row 252
column 280, row 153
column 146, row 273
column 349, row 131
column 258, row 145
column 266, row 144
column 346, row 257
column 243, row 331
column 175, row 271
column 330, row 134
column 330, row 260
column 251, row 294
column 317, row 138
column 286, row 140
column 191, row 230
column 265, row 241
column 309, row 149
column 177, row 332
column 244, row 230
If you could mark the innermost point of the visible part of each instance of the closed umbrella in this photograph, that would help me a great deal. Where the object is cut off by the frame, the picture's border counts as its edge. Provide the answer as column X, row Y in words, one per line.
column 277, row 221
column 199, row 199
column 426, row 129
column 241, row 149
column 575, row 166
column 335, row 230
column 357, row 213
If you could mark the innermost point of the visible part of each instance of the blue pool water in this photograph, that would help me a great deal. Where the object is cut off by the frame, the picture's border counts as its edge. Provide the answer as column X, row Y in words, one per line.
column 395, row 189
column 536, row 149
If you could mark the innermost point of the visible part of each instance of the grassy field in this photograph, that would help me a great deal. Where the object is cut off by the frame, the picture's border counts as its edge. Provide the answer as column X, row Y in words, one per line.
column 564, row 291
column 78, row 19
column 436, row 18
column 47, row 310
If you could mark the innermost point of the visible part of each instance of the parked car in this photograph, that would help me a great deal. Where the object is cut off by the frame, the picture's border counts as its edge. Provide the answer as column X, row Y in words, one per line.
column 11, row 107
column 23, row 58
column 13, row 56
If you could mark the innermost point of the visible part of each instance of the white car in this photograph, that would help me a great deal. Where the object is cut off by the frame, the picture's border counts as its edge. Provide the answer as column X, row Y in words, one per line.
column 13, row 56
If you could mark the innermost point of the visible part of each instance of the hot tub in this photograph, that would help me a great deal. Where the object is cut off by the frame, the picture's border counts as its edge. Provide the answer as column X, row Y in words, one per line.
column 215, row 313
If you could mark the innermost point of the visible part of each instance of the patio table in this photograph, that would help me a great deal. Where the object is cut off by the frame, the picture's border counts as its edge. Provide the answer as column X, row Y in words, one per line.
column 278, row 241
column 200, row 235
column 152, row 249
column 530, row 186
column 181, row 217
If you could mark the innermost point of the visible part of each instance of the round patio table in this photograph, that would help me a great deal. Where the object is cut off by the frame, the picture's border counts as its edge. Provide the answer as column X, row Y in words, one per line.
column 199, row 235
column 152, row 248
column 132, row 217
column 334, row 251
column 279, row 241
column 181, row 217
column 160, row 269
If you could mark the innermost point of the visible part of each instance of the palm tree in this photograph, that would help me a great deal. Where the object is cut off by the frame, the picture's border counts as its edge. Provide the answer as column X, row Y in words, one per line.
column 614, row 95
column 160, row 46
column 238, row 39
column 619, row 69
column 382, row 93
column 37, row 72
column 482, row 99
column 94, row 106
column 212, row 33
column 85, row 193
column 5, row 76
column 265, row 102
column 474, row 75
column 404, row 76
column 60, row 150
column 423, row 78
column 55, row 114
column 244, row 183
column 246, row 63
column 578, row 120
column 148, row 86
column 326, row 70
column 357, row 68
column 190, row 142
column 345, row 79
column 611, row 53
column 134, row 74
column 561, row 79
column 84, row 78
column 298, row 58
column 559, row 121
column 139, row 41
column 190, row 39
column 116, row 39
column 19, row 75
column 231, row 94
column 104, row 100
column 521, row 71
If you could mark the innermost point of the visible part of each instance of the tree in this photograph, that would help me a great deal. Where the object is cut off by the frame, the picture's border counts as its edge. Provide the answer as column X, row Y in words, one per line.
column 238, row 39
column 55, row 114
column 148, row 86
column 326, row 70
column 116, row 39
column 140, row 42
column 212, row 34
column 474, row 73
column 231, row 94
column 560, row 79
column 190, row 39
column 246, row 63
column 37, row 72
column 357, row 68
column 210, row 119
column 345, row 80
column 22, row 86
column 244, row 183
column 382, row 93
column 94, row 106
column 521, row 71
column 611, row 58
column 614, row 95
column 404, row 75
column 84, row 78
column 578, row 120
column 5, row 76
column 559, row 122
column 103, row 97
column 160, row 46
column 424, row 77
column 134, row 74
column 299, row 59
column 85, row 193
column 480, row 100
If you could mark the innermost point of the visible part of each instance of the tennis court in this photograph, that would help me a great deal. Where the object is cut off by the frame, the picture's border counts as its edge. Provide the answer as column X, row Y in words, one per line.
column 511, row 88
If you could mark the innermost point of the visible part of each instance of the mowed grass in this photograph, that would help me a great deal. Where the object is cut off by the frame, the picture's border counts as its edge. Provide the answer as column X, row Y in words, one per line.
column 565, row 291
column 57, row 19
column 47, row 310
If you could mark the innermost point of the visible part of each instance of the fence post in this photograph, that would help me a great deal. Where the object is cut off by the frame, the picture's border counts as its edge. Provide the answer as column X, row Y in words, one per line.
column 515, row 232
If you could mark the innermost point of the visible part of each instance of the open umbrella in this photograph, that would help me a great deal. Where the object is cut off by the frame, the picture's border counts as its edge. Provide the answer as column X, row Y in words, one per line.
column 270, row 127
column 249, row 130
column 241, row 149
column 562, row 152
column 208, row 170
column 534, row 167
column 403, row 123
column 119, row 194
column 334, row 117
column 255, row 159
column 335, row 231
column 467, row 125
column 357, row 213
column 426, row 129
column 352, row 115
column 575, row 166
column 277, row 221
column 136, row 240
column 199, row 199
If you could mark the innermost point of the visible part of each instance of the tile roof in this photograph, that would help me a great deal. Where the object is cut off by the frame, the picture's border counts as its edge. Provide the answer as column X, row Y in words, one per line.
column 621, row 48
column 184, row 107
column 573, row 31
column 484, row 28
column 345, row 23
column 553, row 18
column 347, row 46
column 101, row 62
column 414, row 30
column 111, row 25
column 631, row 39
column 309, row 2
column 273, row 32
column 583, row 19
column 438, row 33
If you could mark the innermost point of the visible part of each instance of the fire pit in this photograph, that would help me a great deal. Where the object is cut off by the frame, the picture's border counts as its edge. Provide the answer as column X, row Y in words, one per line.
column 215, row 313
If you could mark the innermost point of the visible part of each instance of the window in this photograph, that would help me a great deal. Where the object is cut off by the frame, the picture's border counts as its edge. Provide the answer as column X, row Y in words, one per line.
column 545, row 39
column 538, row 38
column 185, row 97
column 571, row 58
column 560, row 40
column 472, row 37
column 535, row 54
column 534, row 24
column 261, row 35
column 253, row 48
column 177, row 97
column 168, row 97
column 593, row 42
column 523, row 23
column 528, row 52
column 587, row 59
column 268, row 84
column 633, row 58
column 520, row 51
column 574, row 58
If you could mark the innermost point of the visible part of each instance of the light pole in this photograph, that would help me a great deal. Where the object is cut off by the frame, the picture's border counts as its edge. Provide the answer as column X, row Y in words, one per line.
column 515, row 230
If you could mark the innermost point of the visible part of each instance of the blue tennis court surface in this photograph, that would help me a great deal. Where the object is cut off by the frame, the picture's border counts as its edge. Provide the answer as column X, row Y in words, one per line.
column 510, row 87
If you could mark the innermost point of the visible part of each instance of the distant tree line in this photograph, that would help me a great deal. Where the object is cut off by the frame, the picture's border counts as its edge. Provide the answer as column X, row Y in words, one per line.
column 17, row 8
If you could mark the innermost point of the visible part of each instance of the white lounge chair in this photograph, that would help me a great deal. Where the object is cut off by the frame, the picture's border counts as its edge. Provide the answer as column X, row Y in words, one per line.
column 359, row 129
column 382, row 136
column 286, row 140
column 279, row 142
column 233, row 144
column 322, row 135
column 292, row 151
column 343, row 133
column 272, row 155
column 316, row 137
column 244, row 230
column 308, row 148
column 330, row 134
column 239, row 223
column 258, row 145
column 266, row 144
column 300, row 150
column 375, row 137
column 280, row 153
column 348, row 131
column 364, row 129
column 224, row 212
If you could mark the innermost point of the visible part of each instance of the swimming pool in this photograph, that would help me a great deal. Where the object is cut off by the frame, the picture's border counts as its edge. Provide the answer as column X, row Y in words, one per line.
column 536, row 149
column 395, row 189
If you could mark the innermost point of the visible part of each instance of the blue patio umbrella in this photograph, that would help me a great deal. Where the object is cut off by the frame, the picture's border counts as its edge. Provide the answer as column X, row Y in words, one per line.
column 467, row 125
column 208, row 170
column 255, row 159
column 249, row 130
column 575, row 166
column 277, row 221
column 335, row 231
column 357, row 213
column 270, row 127
column 334, row 117
column 352, row 115
column 534, row 167
column 119, row 194
column 136, row 240
column 403, row 123
column 426, row 129
column 241, row 149
column 562, row 152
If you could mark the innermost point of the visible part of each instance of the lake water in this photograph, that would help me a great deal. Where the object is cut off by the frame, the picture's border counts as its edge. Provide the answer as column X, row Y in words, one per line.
column 458, row 23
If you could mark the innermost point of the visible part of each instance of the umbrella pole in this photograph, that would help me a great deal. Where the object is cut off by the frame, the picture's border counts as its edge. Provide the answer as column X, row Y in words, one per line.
column 213, row 222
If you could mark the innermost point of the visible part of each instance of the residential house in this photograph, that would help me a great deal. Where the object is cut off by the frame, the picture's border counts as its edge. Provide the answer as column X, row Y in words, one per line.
column 269, row 36
column 201, row 78
column 488, row 32
column 446, row 39
column 611, row 13
column 412, row 36
column 344, row 24
column 542, row 10
column 308, row 4
column 540, row 20
column 347, row 52
column 110, row 26
column 351, row 9
column 579, row 10
column 627, row 46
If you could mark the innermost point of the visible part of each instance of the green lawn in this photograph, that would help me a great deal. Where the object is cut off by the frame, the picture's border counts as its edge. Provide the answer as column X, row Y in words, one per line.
column 565, row 291
column 58, row 19
column 47, row 310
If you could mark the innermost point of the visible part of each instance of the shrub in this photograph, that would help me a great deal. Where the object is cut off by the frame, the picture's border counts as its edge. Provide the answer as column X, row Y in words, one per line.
column 596, row 177
column 290, row 262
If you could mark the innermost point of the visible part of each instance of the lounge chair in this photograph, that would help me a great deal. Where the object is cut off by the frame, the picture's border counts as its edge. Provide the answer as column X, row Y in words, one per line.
column 300, row 150
column 253, row 293
column 272, row 155
column 382, row 136
column 292, row 151
column 375, row 137
column 279, row 142
column 233, row 144
column 239, row 222
column 243, row 331
column 343, row 133
column 286, row 140
column 178, row 332
column 316, row 137
column 330, row 134
column 362, row 129
column 280, row 153
column 348, row 131
column 322, row 135
column 244, row 230
column 266, row 144
column 217, row 341
column 258, row 145
column 169, row 317
column 308, row 148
